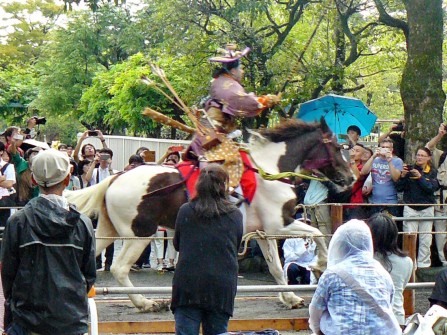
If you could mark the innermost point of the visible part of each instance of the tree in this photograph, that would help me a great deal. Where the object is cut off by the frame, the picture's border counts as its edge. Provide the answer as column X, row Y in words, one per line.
column 421, row 85
column 93, row 4
column 18, row 87
column 264, row 26
column 117, row 97
column 89, row 44
column 31, row 23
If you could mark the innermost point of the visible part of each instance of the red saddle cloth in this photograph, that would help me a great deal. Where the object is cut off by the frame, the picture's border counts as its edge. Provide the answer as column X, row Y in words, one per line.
column 190, row 173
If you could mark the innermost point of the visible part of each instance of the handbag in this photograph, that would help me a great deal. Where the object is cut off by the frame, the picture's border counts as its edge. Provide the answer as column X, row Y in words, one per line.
column 433, row 323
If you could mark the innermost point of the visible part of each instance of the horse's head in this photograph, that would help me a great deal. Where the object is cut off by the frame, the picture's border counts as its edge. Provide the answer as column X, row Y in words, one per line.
column 295, row 146
column 333, row 165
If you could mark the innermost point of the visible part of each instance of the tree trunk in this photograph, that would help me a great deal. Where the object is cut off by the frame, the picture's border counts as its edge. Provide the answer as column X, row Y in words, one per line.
column 421, row 86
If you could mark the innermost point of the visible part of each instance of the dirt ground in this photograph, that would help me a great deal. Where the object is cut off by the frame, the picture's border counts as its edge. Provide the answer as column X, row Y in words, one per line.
column 247, row 306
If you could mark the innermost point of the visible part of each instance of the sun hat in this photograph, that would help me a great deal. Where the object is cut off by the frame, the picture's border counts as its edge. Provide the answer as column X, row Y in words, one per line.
column 229, row 54
column 50, row 167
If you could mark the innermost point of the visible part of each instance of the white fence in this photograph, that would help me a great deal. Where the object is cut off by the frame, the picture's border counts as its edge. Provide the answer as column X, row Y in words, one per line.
column 125, row 146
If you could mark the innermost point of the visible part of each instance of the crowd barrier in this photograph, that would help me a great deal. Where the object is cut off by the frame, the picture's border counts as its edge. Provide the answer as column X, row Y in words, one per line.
column 409, row 246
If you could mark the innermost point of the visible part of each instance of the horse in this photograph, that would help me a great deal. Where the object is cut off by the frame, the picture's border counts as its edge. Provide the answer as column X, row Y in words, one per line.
column 135, row 203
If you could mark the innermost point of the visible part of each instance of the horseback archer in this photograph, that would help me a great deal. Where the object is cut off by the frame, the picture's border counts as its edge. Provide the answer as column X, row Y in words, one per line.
column 228, row 101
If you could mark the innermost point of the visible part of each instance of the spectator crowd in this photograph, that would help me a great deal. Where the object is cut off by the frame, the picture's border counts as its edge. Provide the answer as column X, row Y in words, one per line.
column 384, row 182
column 413, row 190
column 89, row 165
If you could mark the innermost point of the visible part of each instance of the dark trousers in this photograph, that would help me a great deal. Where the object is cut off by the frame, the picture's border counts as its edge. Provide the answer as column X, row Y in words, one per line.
column 357, row 212
column 110, row 250
column 188, row 320
column 144, row 257
column 393, row 210
column 297, row 275
column 5, row 213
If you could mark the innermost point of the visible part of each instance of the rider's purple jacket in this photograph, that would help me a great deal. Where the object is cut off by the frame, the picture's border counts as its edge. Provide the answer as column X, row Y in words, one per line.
column 228, row 93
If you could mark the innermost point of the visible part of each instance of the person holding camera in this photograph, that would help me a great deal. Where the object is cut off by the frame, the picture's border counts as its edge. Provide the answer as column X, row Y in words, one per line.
column 419, row 184
column 88, row 151
column 397, row 134
column 385, row 169
column 104, row 170
column 439, row 161
column 30, row 131
column 13, row 133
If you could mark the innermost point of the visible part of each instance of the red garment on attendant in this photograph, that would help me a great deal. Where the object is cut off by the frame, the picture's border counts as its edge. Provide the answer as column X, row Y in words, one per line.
column 357, row 196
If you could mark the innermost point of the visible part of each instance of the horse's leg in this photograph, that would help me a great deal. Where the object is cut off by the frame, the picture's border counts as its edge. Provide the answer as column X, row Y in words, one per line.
column 128, row 255
column 269, row 249
column 298, row 227
column 104, row 230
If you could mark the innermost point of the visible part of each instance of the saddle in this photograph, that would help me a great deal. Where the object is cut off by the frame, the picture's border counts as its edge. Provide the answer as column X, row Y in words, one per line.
column 190, row 173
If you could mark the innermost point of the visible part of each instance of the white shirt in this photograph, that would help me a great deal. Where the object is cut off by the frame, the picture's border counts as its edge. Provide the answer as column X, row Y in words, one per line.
column 10, row 174
column 300, row 251
column 402, row 268
column 316, row 193
column 103, row 174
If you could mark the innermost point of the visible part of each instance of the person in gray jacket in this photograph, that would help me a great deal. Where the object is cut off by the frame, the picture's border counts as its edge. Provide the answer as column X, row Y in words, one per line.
column 48, row 257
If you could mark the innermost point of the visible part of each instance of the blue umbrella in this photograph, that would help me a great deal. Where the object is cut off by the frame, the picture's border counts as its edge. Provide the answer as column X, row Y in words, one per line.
column 339, row 112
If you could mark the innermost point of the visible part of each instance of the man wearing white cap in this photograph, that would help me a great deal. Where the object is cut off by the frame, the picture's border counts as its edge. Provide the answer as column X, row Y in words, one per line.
column 48, row 257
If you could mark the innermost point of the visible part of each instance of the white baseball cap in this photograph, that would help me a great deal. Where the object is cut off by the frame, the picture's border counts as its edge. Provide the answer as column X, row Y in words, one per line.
column 50, row 167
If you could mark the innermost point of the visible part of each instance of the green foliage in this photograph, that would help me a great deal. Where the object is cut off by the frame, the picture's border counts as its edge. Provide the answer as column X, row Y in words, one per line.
column 18, row 87
column 60, row 128
column 90, row 69
column 90, row 43
column 117, row 97
column 31, row 21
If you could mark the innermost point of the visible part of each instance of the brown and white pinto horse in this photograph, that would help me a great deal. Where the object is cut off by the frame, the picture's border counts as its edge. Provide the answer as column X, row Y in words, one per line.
column 136, row 202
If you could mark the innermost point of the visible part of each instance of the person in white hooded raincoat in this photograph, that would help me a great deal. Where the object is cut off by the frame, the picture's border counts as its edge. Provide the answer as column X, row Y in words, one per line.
column 354, row 295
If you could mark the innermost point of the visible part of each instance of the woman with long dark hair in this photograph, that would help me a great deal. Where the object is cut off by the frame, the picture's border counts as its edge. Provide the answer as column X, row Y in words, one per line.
column 387, row 252
column 208, row 233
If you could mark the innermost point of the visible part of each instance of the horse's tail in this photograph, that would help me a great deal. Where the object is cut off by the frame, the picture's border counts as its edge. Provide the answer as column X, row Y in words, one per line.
column 89, row 200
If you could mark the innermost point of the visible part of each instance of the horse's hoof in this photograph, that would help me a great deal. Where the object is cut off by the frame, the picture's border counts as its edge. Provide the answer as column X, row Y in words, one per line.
column 149, row 306
column 291, row 300
column 298, row 305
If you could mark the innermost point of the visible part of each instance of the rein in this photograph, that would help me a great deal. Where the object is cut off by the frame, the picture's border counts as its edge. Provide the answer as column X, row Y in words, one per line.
column 282, row 176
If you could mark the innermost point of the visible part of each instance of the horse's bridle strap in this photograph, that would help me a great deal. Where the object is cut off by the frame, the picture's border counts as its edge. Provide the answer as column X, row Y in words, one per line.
column 282, row 176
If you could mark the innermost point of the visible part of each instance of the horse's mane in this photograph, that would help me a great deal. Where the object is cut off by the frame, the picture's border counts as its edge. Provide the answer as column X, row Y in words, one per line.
column 288, row 129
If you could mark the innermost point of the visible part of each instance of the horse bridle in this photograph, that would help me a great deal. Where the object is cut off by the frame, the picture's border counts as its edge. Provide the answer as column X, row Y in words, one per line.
column 315, row 164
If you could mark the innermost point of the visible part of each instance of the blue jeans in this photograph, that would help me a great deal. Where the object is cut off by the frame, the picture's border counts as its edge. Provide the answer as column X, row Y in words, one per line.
column 188, row 320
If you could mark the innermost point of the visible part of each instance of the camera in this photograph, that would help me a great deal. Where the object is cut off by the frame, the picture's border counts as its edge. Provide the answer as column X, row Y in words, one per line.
column 384, row 151
column 410, row 167
column 92, row 133
column 104, row 157
column 18, row 137
column 40, row 120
